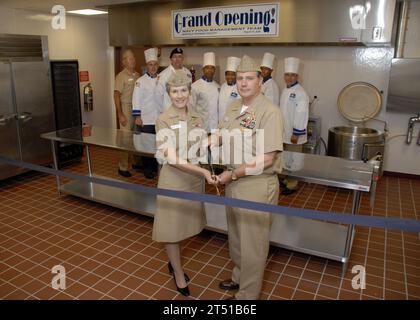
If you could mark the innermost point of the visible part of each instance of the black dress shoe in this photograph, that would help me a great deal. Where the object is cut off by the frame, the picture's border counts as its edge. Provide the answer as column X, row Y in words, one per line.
column 228, row 285
column 287, row 192
column 171, row 271
column 184, row 291
column 149, row 175
column 123, row 173
column 137, row 167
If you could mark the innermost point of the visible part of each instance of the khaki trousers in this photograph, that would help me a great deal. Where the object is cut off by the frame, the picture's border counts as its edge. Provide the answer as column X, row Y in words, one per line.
column 292, row 184
column 249, row 232
column 126, row 159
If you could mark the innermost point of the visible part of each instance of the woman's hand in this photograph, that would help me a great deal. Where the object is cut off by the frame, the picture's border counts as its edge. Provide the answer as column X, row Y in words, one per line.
column 225, row 177
column 211, row 179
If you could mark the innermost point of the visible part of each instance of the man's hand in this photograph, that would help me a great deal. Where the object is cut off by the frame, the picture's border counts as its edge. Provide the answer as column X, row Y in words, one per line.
column 122, row 119
column 294, row 139
column 225, row 177
column 138, row 121
column 211, row 179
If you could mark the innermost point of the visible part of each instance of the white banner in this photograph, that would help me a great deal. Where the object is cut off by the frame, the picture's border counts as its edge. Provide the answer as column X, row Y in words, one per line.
column 259, row 20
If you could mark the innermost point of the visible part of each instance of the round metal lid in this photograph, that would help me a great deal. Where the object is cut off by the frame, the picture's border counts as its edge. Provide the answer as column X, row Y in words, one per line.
column 359, row 101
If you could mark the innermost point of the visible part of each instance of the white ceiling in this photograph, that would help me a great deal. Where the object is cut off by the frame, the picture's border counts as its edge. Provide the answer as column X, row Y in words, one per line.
column 46, row 5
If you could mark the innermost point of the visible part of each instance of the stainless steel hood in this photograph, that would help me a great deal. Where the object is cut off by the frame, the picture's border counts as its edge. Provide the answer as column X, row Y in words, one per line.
column 301, row 22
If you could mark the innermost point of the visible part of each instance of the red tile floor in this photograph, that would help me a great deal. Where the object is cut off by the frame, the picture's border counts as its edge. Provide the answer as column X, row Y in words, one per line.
column 108, row 253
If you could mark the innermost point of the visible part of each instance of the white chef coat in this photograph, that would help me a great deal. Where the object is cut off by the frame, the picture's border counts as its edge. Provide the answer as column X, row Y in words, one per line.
column 228, row 94
column 271, row 91
column 145, row 99
column 294, row 105
column 163, row 97
column 205, row 100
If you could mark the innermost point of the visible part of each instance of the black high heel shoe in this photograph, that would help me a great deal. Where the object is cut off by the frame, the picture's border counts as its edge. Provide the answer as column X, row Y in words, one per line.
column 184, row 291
column 171, row 271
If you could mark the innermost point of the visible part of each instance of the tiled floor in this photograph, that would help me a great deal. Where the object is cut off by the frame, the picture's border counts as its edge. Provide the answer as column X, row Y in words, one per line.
column 108, row 253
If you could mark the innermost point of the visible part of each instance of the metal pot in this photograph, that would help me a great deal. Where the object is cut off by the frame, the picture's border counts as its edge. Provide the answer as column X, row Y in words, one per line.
column 355, row 143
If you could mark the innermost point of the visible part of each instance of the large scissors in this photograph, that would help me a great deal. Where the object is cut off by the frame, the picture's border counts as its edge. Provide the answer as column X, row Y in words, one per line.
column 211, row 167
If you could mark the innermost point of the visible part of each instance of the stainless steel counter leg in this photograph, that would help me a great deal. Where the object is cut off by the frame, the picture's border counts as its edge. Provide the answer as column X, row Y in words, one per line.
column 56, row 166
column 88, row 161
column 349, row 238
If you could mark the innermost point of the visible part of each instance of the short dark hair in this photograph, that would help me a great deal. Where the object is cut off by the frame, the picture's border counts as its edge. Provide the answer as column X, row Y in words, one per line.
column 175, row 51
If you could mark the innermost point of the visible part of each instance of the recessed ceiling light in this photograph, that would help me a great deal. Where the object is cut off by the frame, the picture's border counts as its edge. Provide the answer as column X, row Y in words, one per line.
column 87, row 12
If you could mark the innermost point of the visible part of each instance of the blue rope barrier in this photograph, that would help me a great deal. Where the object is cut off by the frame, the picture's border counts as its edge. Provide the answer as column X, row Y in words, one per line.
column 410, row 225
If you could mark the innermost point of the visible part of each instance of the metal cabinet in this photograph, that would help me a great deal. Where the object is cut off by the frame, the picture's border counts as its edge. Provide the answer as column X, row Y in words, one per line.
column 26, row 108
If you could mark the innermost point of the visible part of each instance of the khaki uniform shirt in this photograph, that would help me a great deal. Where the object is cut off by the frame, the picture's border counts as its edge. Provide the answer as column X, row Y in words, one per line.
column 124, row 84
column 261, row 114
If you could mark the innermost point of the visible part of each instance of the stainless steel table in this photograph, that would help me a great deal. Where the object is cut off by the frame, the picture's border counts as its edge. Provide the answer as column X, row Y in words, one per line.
column 328, row 240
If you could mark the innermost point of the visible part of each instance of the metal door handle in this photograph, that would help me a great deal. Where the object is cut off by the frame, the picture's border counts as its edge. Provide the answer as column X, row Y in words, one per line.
column 5, row 119
column 25, row 116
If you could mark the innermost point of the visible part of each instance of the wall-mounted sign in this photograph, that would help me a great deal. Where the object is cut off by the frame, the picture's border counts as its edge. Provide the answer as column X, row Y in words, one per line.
column 83, row 76
column 259, row 20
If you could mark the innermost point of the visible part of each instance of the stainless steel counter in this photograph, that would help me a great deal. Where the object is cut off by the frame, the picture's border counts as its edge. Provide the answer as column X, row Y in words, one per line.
column 143, row 144
column 329, row 240
column 328, row 171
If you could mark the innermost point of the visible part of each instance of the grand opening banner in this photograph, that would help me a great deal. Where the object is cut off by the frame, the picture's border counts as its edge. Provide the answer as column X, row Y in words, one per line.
column 259, row 20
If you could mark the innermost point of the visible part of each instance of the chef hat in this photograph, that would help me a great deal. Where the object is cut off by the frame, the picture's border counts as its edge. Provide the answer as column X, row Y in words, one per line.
column 209, row 59
column 178, row 78
column 151, row 54
column 232, row 63
column 175, row 51
column 248, row 65
column 291, row 65
column 268, row 60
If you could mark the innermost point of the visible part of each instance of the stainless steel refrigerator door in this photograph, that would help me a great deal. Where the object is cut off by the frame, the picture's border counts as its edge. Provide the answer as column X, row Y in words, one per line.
column 35, row 109
column 9, row 138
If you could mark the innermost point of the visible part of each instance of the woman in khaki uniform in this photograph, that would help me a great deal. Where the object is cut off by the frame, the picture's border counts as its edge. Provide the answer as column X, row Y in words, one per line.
column 177, row 219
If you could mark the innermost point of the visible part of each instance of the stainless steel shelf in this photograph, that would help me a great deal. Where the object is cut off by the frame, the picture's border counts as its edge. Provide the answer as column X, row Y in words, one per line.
column 129, row 200
column 292, row 233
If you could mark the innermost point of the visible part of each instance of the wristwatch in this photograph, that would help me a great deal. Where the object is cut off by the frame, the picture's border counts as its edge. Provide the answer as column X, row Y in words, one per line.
column 234, row 176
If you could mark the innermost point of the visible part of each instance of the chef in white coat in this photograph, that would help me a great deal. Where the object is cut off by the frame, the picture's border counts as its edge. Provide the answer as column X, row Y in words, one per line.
column 294, row 105
column 228, row 90
column 146, row 110
column 177, row 63
column 205, row 93
column 269, row 88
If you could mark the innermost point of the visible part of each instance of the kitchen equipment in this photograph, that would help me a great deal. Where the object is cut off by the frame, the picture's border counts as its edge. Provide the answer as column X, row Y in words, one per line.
column 26, row 108
column 404, row 84
column 67, row 107
column 300, row 22
column 358, row 102
column 355, row 143
column 312, row 146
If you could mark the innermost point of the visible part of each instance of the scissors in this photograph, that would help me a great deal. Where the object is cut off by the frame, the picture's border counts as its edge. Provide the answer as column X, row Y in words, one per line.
column 211, row 167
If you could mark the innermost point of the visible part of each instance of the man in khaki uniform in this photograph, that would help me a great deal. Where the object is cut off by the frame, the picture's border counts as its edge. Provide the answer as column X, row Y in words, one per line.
column 123, row 94
column 248, row 230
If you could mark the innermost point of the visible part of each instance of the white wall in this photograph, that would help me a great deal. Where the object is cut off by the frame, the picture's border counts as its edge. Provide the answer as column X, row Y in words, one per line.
column 84, row 39
column 325, row 71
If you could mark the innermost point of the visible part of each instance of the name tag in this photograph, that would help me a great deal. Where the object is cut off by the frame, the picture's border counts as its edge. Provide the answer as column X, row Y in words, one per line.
column 292, row 95
column 130, row 79
column 176, row 126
